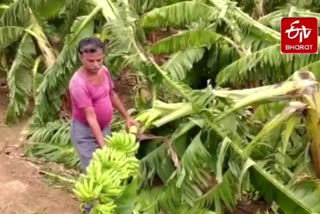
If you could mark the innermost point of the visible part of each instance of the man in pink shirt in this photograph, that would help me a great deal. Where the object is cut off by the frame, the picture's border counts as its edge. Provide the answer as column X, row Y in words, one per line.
column 93, row 100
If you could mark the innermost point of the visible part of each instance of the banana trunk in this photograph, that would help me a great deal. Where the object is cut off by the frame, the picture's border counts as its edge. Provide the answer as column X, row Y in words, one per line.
column 174, row 115
column 311, row 97
column 286, row 90
column 35, row 77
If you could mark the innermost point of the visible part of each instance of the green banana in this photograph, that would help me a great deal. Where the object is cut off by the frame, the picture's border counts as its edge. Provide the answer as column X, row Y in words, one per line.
column 82, row 191
column 97, row 190
column 104, row 198
column 108, row 208
column 91, row 182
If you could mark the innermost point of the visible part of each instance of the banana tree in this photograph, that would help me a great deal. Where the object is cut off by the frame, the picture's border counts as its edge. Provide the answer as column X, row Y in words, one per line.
column 281, row 186
column 24, row 22
column 157, row 164
column 287, row 195
column 257, row 46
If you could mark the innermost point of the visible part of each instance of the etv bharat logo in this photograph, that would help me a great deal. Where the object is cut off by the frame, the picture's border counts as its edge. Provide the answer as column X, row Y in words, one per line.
column 302, row 32
column 299, row 35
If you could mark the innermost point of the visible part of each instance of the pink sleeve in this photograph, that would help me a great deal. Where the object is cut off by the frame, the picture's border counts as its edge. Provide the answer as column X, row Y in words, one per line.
column 81, row 97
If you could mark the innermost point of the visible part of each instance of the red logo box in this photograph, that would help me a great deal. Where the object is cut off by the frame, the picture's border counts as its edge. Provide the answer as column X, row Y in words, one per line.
column 299, row 35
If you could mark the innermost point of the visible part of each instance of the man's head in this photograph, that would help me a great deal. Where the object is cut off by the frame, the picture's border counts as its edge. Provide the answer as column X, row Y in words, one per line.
column 91, row 52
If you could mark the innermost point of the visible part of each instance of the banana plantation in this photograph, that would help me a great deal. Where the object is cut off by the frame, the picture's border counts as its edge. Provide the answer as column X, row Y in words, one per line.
column 229, row 124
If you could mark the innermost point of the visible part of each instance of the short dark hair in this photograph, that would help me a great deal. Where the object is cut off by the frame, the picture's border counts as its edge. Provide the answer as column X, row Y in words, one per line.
column 90, row 45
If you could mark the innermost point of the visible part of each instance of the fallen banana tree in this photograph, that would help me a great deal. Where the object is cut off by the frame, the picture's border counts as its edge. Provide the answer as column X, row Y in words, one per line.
column 311, row 97
column 252, row 150
column 303, row 87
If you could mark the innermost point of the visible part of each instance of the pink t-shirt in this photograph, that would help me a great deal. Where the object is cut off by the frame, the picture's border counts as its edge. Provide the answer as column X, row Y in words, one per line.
column 84, row 94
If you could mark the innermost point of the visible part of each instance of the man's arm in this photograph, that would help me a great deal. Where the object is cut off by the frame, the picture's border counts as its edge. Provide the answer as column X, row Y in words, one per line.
column 118, row 105
column 93, row 123
column 116, row 102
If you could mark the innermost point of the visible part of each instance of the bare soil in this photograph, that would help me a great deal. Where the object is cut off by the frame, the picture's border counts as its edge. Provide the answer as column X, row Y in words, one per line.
column 22, row 190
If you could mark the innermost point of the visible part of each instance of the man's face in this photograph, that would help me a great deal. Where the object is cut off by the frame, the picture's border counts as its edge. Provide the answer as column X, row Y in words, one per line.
column 92, row 62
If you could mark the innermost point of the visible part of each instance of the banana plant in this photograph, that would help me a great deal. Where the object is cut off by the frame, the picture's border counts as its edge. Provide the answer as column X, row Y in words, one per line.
column 20, row 22
column 259, row 46
column 284, row 194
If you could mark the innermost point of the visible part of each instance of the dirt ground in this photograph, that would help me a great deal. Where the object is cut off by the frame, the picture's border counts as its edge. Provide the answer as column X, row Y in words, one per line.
column 21, row 189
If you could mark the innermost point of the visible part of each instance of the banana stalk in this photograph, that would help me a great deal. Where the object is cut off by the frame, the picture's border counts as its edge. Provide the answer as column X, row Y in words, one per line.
column 166, row 112
column 180, row 112
column 34, row 72
column 44, row 44
column 311, row 97
column 4, row 7
column 236, row 95
column 158, row 104
column 286, row 90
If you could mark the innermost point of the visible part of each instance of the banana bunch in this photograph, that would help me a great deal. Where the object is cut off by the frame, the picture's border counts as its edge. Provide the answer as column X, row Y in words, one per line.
column 107, row 208
column 86, row 190
column 126, row 166
column 94, row 170
column 109, row 172
column 104, row 198
column 111, row 182
column 125, row 143
column 110, row 158
column 132, row 166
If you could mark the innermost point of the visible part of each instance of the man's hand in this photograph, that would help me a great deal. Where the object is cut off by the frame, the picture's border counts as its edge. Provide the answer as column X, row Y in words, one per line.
column 131, row 122
column 118, row 104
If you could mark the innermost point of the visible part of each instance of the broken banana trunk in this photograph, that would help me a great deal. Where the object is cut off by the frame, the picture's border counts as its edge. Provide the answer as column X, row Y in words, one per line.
column 311, row 97
column 292, row 89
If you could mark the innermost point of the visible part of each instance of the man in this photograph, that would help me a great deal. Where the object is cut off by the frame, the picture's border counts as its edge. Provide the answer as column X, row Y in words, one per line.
column 93, row 99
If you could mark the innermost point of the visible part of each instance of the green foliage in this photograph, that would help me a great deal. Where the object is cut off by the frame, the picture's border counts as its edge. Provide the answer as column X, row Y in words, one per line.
column 47, row 9
column 184, row 41
column 180, row 63
column 17, row 14
column 273, row 19
column 278, row 66
column 8, row 35
column 194, row 174
column 142, row 6
column 178, row 15
column 288, row 200
column 53, row 143
column 20, row 80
